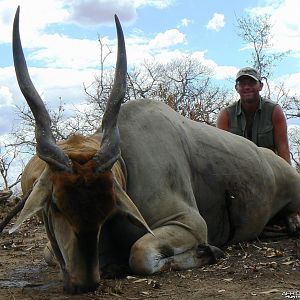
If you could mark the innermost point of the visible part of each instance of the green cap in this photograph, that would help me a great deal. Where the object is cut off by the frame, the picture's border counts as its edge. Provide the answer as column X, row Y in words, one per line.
column 250, row 72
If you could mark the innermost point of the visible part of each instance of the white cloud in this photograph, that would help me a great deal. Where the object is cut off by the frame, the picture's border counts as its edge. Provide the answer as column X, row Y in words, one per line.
column 140, row 48
column 7, row 119
column 63, row 51
column 9, row 88
column 286, row 24
column 184, row 22
column 37, row 16
column 291, row 83
column 225, row 73
column 216, row 23
column 51, row 83
column 102, row 11
column 69, row 54
column 65, row 84
column 156, row 3
column 167, row 56
column 167, row 39
column 6, row 109
column 34, row 17
column 219, row 72
column 5, row 96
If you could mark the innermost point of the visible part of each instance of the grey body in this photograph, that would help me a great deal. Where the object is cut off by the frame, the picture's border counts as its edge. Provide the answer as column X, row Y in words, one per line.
column 180, row 171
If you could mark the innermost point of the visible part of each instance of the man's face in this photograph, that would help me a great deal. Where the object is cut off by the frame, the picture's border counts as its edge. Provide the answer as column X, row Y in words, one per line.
column 248, row 89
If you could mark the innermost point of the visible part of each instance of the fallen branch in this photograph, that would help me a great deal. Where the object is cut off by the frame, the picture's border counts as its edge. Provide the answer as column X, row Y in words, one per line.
column 14, row 211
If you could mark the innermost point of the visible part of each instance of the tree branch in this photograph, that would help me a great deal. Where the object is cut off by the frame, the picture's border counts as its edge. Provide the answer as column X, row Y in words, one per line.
column 14, row 211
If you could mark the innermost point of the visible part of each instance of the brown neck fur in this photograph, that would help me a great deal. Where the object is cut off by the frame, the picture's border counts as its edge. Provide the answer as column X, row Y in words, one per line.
column 84, row 197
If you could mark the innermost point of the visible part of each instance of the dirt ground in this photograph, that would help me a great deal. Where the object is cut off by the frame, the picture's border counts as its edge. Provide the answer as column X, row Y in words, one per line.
column 262, row 269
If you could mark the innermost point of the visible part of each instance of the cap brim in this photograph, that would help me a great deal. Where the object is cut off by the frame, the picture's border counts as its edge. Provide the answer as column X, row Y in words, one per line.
column 248, row 76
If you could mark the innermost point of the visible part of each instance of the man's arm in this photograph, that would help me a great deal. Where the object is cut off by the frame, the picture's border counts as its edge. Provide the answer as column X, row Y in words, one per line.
column 280, row 133
column 222, row 120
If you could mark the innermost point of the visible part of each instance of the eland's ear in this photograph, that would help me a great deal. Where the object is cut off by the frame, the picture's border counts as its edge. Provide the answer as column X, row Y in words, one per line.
column 128, row 208
column 36, row 199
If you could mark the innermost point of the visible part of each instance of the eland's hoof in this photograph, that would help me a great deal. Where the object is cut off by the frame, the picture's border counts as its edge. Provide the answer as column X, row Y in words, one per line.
column 293, row 221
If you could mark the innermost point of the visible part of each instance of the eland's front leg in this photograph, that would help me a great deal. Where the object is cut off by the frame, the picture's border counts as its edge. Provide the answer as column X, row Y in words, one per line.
column 172, row 248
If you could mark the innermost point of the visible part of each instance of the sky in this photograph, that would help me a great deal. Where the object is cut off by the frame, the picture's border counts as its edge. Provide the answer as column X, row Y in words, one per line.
column 59, row 39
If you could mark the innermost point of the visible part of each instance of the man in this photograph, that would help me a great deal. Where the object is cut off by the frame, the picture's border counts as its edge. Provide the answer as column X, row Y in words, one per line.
column 255, row 118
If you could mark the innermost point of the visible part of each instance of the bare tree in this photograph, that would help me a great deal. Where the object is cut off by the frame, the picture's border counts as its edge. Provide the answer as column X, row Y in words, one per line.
column 144, row 81
column 257, row 33
column 192, row 91
column 62, row 125
column 98, row 92
column 8, row 157
column 290, row 103
column 184, row 84
column 295, row 145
